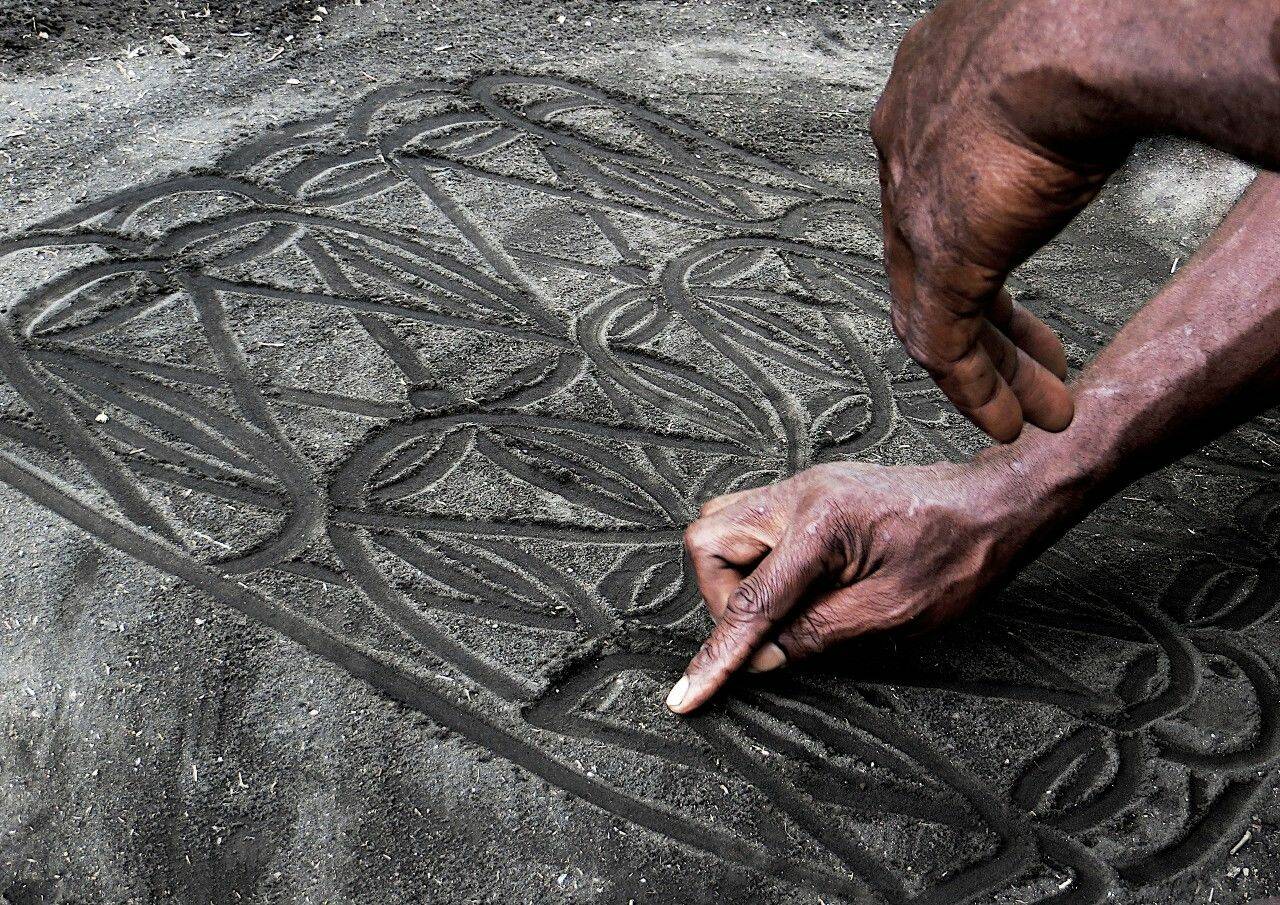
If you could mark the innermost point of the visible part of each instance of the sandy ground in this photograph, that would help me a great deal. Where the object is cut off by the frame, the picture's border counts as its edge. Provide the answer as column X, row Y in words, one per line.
column 356, row 388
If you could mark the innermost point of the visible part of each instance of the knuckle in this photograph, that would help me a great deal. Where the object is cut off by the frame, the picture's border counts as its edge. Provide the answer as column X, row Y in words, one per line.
column 706, row 655
column 748, row 601
column 822, row 512
column 898, row 320
column 881, row 125
column 890, row 610
column 926, row 357
column 699, row 537
column 914, row 223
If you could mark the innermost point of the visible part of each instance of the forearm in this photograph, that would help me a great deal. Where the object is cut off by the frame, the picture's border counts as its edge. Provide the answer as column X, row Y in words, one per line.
column 1209, row 70
column 1201, row 356
column 1083, row 78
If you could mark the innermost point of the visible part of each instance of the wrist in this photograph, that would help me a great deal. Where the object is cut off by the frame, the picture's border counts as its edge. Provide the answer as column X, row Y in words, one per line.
column 1204, row 70
column 1082, row 79
column 1060, row 84
column 1045, row 481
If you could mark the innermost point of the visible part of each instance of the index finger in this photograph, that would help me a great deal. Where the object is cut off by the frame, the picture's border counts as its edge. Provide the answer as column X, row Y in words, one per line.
column 975, row 386
column 750, row 615
column 945, row 342
column 944, row 335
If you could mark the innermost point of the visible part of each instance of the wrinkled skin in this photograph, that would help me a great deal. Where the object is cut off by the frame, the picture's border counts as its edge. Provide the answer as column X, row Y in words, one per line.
column 848, row 548
column 966, row 195
column 1000, row 121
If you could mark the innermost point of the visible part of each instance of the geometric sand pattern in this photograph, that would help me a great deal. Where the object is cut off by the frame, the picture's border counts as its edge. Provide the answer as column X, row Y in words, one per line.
column 531, row 327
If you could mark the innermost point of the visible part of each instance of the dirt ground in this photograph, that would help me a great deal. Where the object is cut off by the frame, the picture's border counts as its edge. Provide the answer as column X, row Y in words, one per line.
column 359, row 367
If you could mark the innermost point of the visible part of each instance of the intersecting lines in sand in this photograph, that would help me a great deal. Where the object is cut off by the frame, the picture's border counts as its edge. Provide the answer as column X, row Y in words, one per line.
column 432, row 388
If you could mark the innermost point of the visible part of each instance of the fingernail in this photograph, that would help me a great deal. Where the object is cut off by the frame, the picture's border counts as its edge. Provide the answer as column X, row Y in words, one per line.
column 766, row 658
column 678, row 691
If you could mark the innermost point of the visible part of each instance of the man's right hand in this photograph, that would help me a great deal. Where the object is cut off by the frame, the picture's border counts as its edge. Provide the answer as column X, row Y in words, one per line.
column 847, row 548
column 990, row 142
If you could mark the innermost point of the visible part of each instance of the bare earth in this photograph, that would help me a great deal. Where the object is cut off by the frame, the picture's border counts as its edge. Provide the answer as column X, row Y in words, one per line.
column 354, row 392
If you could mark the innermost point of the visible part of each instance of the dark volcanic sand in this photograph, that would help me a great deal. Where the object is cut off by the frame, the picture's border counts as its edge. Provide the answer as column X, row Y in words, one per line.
column 36, row 34
column 348, row 426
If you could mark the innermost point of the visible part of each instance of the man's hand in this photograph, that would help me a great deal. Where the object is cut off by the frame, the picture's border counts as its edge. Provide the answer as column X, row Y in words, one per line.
column 840, row 550
column 1000, row 121
column 968, row 192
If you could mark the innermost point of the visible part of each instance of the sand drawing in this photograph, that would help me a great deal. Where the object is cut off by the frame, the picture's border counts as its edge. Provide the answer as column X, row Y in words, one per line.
column 431, row 387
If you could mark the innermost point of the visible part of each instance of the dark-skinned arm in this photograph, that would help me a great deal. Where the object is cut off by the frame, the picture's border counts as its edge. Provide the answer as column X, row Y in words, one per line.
column 844, row 549
column 1001, row 120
